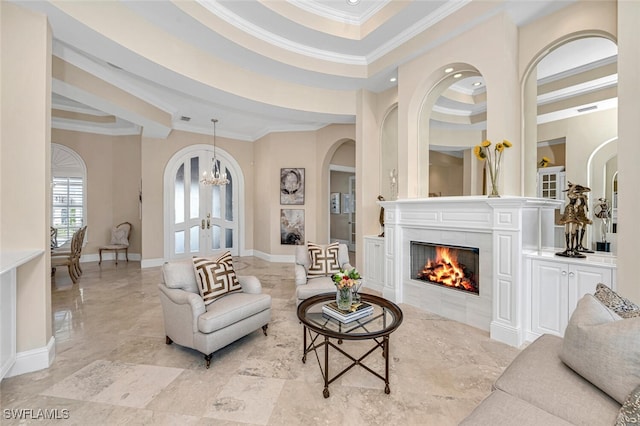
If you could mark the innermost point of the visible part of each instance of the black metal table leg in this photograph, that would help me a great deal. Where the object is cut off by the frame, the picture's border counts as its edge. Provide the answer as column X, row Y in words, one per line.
column 325, row 392
column 385, row 350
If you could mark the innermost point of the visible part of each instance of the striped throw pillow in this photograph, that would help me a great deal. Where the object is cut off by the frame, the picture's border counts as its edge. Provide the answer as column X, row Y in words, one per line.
column 215, row 278
column 323, row 260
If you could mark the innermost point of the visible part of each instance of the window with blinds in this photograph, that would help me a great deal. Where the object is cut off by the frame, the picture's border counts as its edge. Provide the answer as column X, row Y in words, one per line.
column 67, row 211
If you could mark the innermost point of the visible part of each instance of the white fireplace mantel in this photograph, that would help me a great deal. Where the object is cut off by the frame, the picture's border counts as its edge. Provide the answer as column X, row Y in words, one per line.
column 503, row 229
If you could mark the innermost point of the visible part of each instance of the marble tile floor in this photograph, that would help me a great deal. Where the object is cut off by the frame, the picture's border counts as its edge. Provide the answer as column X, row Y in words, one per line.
column 113, row 367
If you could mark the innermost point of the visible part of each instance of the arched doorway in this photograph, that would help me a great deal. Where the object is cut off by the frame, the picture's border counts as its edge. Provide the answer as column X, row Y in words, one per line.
column 199, row 218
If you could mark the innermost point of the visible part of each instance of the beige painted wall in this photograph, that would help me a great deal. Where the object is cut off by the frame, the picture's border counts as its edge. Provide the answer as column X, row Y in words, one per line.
column 345, row 155
column 25, row 165
column 445, row 174
column 113, row 181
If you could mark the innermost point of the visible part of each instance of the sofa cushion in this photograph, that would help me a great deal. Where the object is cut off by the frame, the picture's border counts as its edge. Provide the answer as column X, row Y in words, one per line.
column 538, row 376
column 603, row 348
column 180, row 275
column 215, row 277
column 314, row 287
column 618, row 304
column 630, row 411
column 323, row 260
column 230, row 309
column 500, row 408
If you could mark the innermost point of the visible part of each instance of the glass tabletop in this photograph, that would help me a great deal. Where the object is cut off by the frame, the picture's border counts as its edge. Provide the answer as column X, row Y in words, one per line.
column 384, row 319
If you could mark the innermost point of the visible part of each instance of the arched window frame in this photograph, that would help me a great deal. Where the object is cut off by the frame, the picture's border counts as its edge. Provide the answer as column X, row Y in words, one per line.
column 67, row 165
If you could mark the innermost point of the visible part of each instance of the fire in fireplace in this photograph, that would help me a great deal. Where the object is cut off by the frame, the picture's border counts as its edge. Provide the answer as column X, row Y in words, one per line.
column 450, row 266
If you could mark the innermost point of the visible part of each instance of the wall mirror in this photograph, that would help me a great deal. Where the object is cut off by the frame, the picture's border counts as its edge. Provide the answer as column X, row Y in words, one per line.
column 570, row 115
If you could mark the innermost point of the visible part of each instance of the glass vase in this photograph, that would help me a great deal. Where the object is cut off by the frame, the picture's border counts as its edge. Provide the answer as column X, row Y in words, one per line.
column 495, row 193
column 355, row 292
column 344, row 298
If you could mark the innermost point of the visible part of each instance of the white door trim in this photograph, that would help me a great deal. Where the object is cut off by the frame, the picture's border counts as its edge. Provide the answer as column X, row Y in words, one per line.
column 235, row 172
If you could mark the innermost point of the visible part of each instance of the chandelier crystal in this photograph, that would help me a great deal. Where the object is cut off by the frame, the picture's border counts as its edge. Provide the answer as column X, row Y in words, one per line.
column 215, row 177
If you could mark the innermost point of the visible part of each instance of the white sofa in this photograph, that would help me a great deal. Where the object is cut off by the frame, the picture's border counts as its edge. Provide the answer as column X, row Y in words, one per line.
column 307, row 287
column 188, row 322
column 591, row 377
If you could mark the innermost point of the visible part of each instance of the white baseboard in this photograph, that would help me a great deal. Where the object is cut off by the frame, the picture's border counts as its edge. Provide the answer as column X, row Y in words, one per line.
column 109, row 256
column 151, row 263
column 506, row 334
column 34, row 359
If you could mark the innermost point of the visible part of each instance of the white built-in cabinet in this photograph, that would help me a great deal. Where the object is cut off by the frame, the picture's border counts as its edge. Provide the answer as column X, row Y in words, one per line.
column 551, row 183
column 556, row 286
column 374, row 262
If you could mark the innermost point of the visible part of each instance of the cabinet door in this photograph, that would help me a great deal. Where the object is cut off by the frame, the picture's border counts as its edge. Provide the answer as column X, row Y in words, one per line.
column 374, row 262
column 583, row 279
column 549, row 304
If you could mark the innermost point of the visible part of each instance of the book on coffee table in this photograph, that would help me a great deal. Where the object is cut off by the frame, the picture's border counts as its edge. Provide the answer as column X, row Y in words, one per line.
column 358, row 310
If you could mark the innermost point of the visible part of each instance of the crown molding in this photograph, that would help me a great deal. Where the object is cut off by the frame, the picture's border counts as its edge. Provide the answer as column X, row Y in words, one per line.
column 337, row 15
column 276, row 40
column 76, row 126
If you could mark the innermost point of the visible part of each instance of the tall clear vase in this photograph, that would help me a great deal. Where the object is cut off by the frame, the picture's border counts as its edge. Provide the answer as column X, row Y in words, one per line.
column 344, row 298
column 494, row 175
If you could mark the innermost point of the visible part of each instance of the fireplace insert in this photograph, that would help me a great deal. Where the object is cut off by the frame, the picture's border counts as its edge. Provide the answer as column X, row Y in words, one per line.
column 445, row 265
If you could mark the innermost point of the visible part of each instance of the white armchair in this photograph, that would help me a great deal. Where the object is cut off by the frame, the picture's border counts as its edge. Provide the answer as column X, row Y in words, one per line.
column 188, row 322
column 307, row 287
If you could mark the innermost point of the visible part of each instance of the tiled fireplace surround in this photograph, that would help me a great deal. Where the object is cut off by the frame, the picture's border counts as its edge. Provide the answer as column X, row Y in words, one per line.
column 503, row 229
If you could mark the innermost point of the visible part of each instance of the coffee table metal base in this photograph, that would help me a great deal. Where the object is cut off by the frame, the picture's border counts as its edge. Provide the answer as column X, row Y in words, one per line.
column 382, row 342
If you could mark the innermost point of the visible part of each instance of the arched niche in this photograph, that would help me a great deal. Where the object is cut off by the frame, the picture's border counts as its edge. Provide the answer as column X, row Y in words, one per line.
column 389, row 155
column 452, row 120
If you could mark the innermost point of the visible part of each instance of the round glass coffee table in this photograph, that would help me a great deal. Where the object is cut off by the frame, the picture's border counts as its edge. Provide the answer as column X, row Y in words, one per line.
column 320, row 328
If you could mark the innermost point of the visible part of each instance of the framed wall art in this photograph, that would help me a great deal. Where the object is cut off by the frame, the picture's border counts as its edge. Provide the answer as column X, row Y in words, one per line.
column 292, row 227
column 334, row 203
column 292, row 186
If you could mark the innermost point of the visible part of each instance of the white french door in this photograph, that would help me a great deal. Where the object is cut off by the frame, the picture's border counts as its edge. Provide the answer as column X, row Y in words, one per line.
column 200, row 218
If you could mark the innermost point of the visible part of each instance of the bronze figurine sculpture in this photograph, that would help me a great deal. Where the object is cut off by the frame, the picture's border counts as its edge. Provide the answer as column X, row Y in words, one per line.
column 575, row 221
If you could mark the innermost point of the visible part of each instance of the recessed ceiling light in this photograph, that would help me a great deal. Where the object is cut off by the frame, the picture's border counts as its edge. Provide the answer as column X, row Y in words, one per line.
column 393, row 79
column 457, row 75
column 352, row 2
column 477, row 83
column 448, row 70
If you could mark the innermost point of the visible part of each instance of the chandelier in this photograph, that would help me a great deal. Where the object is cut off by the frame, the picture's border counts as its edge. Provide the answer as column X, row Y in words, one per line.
column 214, row 177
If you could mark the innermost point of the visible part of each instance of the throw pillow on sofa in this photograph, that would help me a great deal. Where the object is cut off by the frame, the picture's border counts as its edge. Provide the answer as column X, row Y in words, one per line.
column 603, row 348
column 630, row 411
column 215, row 277
column 618, row 304
column 323, row 260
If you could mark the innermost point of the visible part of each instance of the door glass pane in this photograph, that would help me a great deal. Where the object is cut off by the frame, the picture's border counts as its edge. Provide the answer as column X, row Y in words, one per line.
column 215, row 237
column 194, row 190
column 215, row 201
column 179, row 195
column 179, row 242
column 228, row 237
column 194, row 238
column 228, row 207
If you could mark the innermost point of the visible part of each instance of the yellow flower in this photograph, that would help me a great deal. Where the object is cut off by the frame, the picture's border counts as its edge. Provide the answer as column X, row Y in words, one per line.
column 499, row 147
column 544, row 162
column 507, row 144
column 486, row 144
column 479, row 153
